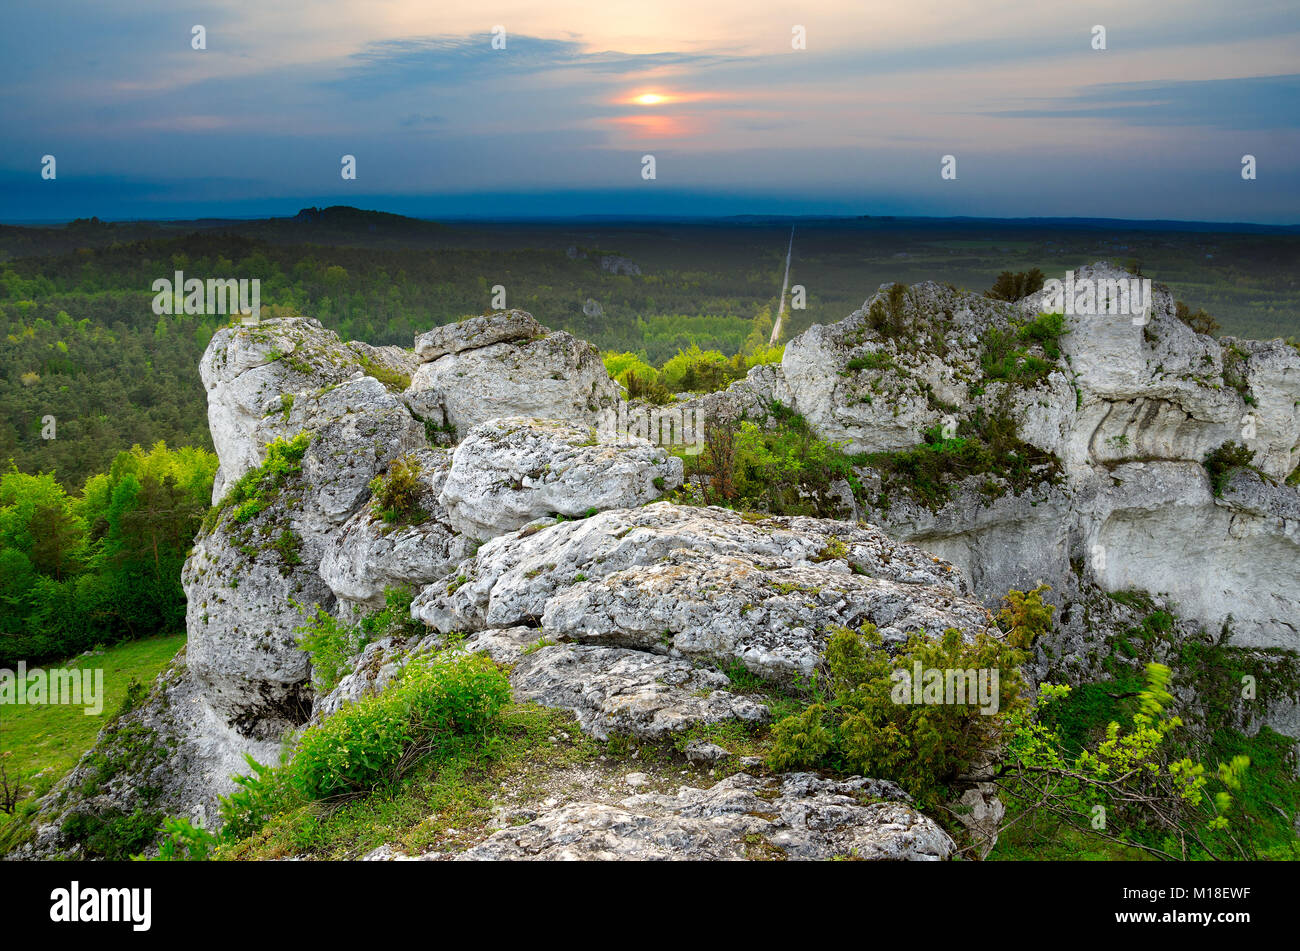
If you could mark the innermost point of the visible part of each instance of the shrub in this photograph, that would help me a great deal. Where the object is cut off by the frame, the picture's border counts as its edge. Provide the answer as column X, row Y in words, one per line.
column 1225, row 460
column 376, row 739
column 1012, row 286
column 1201, row 322
column 332, row 643
column 864, row 721
column 397, row 494
column 986, row 444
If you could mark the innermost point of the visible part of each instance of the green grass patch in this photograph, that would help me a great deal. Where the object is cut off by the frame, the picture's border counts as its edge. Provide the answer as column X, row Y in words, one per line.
column 53, row 737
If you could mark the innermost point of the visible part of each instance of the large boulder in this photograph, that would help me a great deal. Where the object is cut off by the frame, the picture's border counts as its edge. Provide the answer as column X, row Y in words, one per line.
column 510, row 471
column 551, row 376
column 475, row 332
column 253, row 376
column 708, row 585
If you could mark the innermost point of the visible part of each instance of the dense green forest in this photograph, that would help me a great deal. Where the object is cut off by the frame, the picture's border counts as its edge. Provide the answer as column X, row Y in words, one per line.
column 102, row 565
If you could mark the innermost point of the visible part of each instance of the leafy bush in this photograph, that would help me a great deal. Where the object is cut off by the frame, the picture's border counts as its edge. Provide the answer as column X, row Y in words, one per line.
column 985, row 444
column 332, row 643
column 1012, row 286
column 372, row 740
column 781, row 467
column 1201, row 322
column 864, row 720
column 397, row 494
column 1002, row 359
column 1130, row 789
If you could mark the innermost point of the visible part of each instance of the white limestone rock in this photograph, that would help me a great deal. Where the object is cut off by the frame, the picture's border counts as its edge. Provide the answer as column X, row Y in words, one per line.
column 794, row 816
column 554, row 376
column 510, row 471
column 475, row 332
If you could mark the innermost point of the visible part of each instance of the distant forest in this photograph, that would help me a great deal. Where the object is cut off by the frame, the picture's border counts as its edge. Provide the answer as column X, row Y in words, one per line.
column 79, row 341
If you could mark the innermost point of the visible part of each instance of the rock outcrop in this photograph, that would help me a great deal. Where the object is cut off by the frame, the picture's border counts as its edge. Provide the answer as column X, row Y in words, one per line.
column 540, row 544
column 1130, row 409
column 484, row 368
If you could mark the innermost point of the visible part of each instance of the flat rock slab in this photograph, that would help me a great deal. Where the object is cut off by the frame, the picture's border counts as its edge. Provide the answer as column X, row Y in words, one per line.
column 477, row 332
column 791, row 816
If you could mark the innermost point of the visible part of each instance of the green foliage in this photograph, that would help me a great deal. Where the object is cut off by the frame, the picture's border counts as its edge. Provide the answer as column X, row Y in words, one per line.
column 112, row 835
column 184, row 842
column 258, row 488
column 102, row 567
column 1200, row 321
column 864, row 719
column 1013, row 286
column 332, row 643
column 1131, row 788
column 394, row 380
column 641, row 380
column 1002, row 359
column 877, row 360
column 368, row 742
column 397, row 493
column 985, row 444
column 779, row 467
column 1225, row 460
column 288, row 546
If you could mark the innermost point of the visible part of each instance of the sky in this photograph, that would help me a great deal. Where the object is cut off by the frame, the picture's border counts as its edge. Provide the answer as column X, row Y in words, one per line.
column 739, row 121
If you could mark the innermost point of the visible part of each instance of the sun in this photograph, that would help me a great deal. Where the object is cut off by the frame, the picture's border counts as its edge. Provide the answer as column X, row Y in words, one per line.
column 650, row 99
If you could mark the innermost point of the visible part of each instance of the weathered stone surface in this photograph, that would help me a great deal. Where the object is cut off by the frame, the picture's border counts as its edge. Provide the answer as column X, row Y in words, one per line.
column 1131, row 408
column 795, row 816
column 510, row 471
column 613, row 691
column 475, row 332
column 720, row 608
column 706, row 584
column 243, row 579
column 248, row 370
column 555, row 376
column 366, row 555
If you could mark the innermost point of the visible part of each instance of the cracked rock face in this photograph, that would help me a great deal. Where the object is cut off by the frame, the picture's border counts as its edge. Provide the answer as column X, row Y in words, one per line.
column 476, row 332
column 791, row 816
column 553, row 376
column 1130, row 409
column 243, row 578
column 615, row 691
column 366, row 555
column 253, row 375
column 510, row 471
column 706, row 585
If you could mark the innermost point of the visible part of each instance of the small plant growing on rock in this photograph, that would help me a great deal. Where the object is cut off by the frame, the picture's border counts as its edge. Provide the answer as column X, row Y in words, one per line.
column 1224, row 461
column 397, row 494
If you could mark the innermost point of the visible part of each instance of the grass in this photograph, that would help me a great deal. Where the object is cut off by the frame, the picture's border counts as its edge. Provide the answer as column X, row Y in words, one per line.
column 445, row 802
column 54, row 737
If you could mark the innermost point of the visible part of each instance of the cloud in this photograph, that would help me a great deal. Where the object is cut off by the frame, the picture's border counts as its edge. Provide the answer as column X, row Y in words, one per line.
column 1250, row 102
